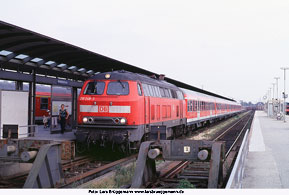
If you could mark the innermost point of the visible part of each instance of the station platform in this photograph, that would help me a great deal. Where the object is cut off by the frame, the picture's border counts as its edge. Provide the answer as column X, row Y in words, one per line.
column 267, row 162
column 45, row 134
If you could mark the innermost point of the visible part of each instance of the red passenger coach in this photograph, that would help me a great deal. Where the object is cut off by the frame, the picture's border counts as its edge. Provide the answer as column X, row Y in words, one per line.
column 126, row 108
column 204, row 108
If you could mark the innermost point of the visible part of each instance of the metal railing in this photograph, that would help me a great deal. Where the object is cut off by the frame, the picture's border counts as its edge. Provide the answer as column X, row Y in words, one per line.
column 235, row 180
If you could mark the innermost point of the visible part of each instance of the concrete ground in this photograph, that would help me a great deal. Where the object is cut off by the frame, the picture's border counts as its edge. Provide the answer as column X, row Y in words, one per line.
column 267, row 163
column 46, row 134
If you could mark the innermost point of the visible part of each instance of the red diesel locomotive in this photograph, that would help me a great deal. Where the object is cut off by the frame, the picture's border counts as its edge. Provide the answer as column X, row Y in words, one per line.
column 126, row 108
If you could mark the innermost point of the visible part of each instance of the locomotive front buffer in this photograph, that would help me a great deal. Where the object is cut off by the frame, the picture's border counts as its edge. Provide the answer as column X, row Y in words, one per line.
column 194, row 151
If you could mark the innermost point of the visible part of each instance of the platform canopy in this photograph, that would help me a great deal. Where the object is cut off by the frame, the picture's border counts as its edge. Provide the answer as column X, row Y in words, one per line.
column 23, row 50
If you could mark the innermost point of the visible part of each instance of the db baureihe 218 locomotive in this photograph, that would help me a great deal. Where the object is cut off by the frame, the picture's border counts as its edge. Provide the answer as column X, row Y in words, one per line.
column 124, row 108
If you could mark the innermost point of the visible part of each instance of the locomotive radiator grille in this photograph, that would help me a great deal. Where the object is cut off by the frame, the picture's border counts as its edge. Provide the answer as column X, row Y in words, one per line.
column 102, row 121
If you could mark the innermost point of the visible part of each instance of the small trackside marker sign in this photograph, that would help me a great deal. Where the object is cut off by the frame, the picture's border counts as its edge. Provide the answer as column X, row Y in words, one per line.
column 187, row 149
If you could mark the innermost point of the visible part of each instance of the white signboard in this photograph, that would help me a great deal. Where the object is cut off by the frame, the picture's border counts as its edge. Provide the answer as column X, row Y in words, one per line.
column 56, row 106
column 14, row 110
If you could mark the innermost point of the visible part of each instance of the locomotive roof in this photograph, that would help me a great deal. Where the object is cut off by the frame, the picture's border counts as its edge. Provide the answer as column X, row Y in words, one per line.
column 126, row 75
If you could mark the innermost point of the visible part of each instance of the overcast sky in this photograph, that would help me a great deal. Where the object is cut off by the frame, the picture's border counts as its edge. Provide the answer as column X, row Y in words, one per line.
column 233, row 48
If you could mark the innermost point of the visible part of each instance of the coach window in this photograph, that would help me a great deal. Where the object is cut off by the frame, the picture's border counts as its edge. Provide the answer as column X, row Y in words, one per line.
column 139, row 90
column 193, row 104
column 44, row 103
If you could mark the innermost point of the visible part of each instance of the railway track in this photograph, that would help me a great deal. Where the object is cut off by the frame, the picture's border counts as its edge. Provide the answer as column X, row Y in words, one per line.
column 75, row 172
column 93, row 170
column 84, row 169
column 197, row 173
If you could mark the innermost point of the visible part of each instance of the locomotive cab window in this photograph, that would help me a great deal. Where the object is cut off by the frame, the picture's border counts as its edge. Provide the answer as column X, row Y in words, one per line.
column 117, row 88
column 44, row 103
column 94, row 88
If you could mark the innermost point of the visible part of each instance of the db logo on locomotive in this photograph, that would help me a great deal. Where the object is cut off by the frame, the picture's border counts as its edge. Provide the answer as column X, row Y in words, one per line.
column 103, row 109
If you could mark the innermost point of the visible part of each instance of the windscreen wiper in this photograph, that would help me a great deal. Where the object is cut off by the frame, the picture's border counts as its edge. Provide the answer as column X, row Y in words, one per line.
column 95, row 88
column 121, row 84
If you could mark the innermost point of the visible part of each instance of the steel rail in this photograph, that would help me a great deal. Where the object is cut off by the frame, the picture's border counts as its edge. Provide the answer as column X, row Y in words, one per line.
column 218, row 137
column 238, row 137
column 96, row 172
column 183, row 164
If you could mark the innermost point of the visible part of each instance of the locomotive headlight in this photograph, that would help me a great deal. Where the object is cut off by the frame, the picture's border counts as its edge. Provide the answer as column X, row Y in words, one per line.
column 122, row 121
column 84, row 119
column 107, row 76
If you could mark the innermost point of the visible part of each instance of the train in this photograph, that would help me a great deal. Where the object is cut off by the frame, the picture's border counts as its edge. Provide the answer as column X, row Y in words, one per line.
column 43, row 100
column 124, row 109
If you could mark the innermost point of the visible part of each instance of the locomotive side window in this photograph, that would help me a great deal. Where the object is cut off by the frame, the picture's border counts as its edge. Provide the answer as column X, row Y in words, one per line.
column 158, row 91
column 44, row 103
column 162, row 92
column 180, row 95
column 174, row 94
column 94, row 88
column 154, row 91
column 170, row 93
column 118, row 88
column 145, row 89
column 167, row 93
column 139, row 90
column 150, row 90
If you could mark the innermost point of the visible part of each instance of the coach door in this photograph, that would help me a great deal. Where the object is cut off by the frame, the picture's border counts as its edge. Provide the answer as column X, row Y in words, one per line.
column 181, row 109
column 146, row 103
column 211, row 108
column 199, row 108
column 60, row 95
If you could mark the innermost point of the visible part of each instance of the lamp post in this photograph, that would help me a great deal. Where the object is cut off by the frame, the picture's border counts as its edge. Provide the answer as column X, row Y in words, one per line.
column 273, row 100
column 277, row 85
column 284, row 95
column 277, row 95
column 273, row 90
